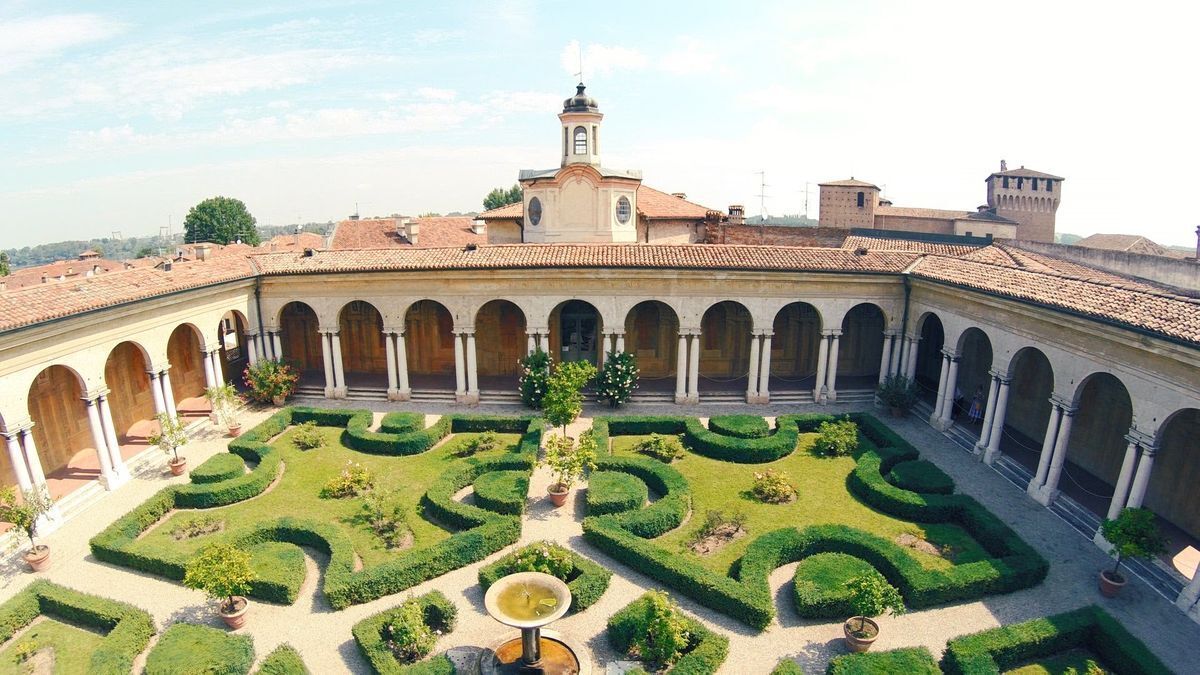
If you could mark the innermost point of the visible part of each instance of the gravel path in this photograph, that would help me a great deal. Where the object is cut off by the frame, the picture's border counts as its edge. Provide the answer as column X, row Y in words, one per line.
column 323, row 636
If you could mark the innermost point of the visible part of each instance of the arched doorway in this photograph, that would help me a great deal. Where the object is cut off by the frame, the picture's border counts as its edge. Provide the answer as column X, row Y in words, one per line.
column 364, row 352
column 1172, row 492
column 974, row 378
column 231, row 338
column 126, row 372
column 62, row 431
column 652, row 336
column 928, row 372
column 499, row 344
column 861, row 347
column 725, row 347
column 299, row 335
column 1096, row 445
column 575, row 332
column 187, row 371
column 429, row 342
column 795, row 344
column 1028, row 409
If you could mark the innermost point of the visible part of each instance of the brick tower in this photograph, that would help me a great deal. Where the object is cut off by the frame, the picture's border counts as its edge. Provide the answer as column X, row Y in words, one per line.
column 1029, row 197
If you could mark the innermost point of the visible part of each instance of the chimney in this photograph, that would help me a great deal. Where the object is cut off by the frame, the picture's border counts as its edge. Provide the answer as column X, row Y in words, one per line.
column 737, row 214
column 167, row 265
column 680, row 195
column 411, row 230
column 296, row 236
column 1198, row 243
column 477, row 226
column 203, row 251
column 1003, row 165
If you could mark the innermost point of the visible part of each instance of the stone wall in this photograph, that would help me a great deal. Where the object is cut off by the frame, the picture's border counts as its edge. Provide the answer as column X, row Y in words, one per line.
column 1182, row 274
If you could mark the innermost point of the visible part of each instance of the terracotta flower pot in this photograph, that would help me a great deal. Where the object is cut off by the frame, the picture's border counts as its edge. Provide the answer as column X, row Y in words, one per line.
column 178, row 466
column 558, row 494
column 235, row 430
column 38, row 558
column 860, row 642
column 235, row 617
column 1111, row 584
column 278, row 400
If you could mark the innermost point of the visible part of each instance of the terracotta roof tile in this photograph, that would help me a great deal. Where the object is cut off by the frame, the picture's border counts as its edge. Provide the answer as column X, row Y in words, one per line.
column 382, row 233
column 912, row 212
column 882, row 244
column 849, row 182
column 652, row 204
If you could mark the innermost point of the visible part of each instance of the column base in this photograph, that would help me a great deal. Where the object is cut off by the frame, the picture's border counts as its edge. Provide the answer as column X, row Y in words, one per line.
column 1099, row 540
column 114, row 481
column 49, row 522
column 467, row 397
column 340, row 392
column 404, row 394
column 680, row 399
column 692, row 399
column 939, row 423
column 1045, row 495
column 393, row 394
column 990, row 456
column 831, row 396
column 758, row 399
column 1187, row 602
column 330, row 391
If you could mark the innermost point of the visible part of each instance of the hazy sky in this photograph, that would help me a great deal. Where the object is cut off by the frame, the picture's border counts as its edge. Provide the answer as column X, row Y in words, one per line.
column 120, row 116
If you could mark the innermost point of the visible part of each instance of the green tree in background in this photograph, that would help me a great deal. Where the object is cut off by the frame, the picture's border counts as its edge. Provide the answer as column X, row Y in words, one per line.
column 4, row 264
column 500, row 197
column 222, row 220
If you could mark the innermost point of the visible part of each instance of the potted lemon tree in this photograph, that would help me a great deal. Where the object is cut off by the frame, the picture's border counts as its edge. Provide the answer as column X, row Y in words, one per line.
column 568, row 462
column 223, row 572
column 898, row 394
column 223, row 399
column 1133, row 534
column 171, row 436
column 24, row 515
column 870, row 596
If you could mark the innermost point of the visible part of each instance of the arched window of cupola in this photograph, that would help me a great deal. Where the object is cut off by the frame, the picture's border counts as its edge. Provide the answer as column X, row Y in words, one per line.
column 580, row 141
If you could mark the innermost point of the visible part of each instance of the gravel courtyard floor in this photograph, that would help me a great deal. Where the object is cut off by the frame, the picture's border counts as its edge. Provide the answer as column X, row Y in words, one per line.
column 323, row 636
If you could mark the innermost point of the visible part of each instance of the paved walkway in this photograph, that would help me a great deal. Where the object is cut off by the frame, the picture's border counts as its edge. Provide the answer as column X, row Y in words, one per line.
column 323, row 636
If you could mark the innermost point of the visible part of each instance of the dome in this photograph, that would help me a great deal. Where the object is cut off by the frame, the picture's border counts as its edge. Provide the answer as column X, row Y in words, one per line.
column 580, row 102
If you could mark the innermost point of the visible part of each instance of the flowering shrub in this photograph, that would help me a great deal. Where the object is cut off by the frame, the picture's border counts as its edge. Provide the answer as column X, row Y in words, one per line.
column 664, row 634
column 535, row 370
column 545, row 557
column 386, row 517
column 353, row 481
column 407, row 635
column 308, row 437
column 836, row 438
column 662, row 448
column 618, row 378
column 485, row 442
column 268, row 379
column 773, row 487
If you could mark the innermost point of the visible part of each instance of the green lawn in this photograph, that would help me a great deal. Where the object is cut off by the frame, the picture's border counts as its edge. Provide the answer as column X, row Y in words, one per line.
column 823, row 499
column 72, row 647
column 1075, row 661
column 307, row 471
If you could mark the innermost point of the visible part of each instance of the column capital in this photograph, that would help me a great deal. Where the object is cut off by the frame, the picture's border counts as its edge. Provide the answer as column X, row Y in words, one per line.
column 767, row 333
column 948, row 352
column 329, row 332
column 94, row 394
column 15, row 426
column 1060, row 402
column 1138, row 437
column 250, row 332
column 891, row 332
column 616, row 331
column 392, row 330
column 1149, row 450
column 1000, row 375
column 466, row 330
column 689, row 330
column 827, row 332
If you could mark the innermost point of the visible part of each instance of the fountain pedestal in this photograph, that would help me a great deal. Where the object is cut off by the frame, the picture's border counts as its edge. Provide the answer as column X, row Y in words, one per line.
column 529, row 601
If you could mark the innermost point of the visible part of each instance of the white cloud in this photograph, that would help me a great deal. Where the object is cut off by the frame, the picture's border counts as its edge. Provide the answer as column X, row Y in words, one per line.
column 24, row 41
column 692, row 56
column 435, row 36
column 435, row 94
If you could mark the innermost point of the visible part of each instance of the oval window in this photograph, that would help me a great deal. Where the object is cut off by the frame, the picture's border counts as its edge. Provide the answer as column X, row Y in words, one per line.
column 535, row 211
column 623, row 210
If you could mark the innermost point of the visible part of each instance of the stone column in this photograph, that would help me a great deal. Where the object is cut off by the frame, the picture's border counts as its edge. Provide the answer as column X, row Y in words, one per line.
column 472, row 370
column 832, row 368
column 405, row 392
column 168, row 392
column 1047, row 448
column 460, row 370
column 100, row 443
column 389, row 344
column 210, row 379
column 1049, row 490
column 1188, row 597
column 985, row 431
column 764, row 371
column 1141, row 480
column 1121, row 491
column 338, row 372
column 120, row 469
column 943, row 374
column 947, row 416
column 327, row 360
column 898, row 352
column 251, row 352
column 694, row 369
column 620, row 341
column 910, row 365
column 50, row 521
column 752, row 377
column 822, row 359
column 530, row 343
column 218, row 370
column 681, row 366
column 277, row 346
column 885, row 361
column 996, row 433
column 17, row 459
column 156, row 393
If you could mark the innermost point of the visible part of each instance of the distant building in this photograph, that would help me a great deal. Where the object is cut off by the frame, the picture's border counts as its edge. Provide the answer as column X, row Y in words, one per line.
column 1127, row 243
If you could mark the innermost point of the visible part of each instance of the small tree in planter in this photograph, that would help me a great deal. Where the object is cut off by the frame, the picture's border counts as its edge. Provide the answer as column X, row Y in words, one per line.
column 172, row 436
column 535, row 370
column 618, row 378
column 24, row 515
column 1133, row 534
column 223, row 398
column 223, row 572
column 899, row 394
column 563, row 401
column 568, row 463
column 870, row 595
column 270, row 380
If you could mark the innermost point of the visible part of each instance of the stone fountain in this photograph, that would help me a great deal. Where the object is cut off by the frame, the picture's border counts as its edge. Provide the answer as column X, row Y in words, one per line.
column 529, row 601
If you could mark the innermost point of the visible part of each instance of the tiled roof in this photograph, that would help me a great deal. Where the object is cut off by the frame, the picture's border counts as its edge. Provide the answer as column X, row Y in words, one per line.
column 382, row 233
column 69, row 269
column 1118, row 242
column 874, row 244
column 652, row 204
column 910, row 212
column 44, row 302
column 290, row 242
column 1027, row 173
column 849, row 182
column 1126, row 302
column 529, row 256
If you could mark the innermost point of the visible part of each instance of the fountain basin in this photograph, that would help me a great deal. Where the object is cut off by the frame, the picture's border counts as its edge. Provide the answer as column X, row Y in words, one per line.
column 527, row 599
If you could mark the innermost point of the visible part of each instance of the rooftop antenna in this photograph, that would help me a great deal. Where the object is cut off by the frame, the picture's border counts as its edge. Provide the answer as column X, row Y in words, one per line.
column 579, row 74
column 762, row 193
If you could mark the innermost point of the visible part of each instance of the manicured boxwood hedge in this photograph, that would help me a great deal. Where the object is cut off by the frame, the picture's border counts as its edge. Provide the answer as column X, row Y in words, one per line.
column 788, row 667
column 739, row 426
column 1007, row 647
column 921, row 476
column 127, row 629
column 908, row 660
column 502, row 491
column 285, row 660
column 440, row 614
column 612, row 491
column 188, row 649
column 219, row 467
column 708, row 649
column 481, row 531
column 1014, row 564
column 587, row 580
column 820, row 584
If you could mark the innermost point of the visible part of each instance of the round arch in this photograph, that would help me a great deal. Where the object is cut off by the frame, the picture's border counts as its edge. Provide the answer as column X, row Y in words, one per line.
column 576, row 332
column 231, row 342
column 299, row 334
column 185, row 354
column 126, row 373
column 1031, row 385
column 499, row 340
column 795, row 344
column 974, row 379
column 1172, row 492
column 929, row 355
column 61, row 429
column 725, row 346
column 652, row 336
column 1104, row 414
column 429, row 340
column 861, row 346
column 364, row 352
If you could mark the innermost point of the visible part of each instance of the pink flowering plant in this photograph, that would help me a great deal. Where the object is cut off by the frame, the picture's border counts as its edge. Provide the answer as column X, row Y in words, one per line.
column 618, row 378
column 268, row 379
